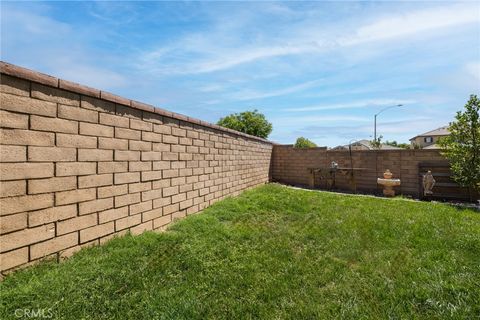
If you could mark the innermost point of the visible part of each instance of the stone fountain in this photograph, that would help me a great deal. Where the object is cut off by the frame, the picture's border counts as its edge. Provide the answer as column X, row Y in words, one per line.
column 388, row 183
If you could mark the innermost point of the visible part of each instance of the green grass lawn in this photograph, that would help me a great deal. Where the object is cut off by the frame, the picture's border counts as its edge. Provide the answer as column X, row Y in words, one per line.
column 273, row 253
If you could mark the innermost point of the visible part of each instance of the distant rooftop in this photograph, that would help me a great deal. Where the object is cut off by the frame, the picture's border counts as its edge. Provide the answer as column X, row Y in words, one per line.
column 367, row 144
column 442, row 131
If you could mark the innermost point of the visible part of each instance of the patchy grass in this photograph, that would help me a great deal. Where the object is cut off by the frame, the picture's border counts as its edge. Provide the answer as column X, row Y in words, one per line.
column 273, row 252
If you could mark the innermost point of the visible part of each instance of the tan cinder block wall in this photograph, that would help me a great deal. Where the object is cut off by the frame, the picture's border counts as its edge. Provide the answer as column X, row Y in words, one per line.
column 79, row 165
column 290, row 165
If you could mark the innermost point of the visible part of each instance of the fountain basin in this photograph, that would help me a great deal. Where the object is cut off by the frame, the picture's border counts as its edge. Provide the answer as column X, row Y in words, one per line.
column 388, row 185
column 388, row 182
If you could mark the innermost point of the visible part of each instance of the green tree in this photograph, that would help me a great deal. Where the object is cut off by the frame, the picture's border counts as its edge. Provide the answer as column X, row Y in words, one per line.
column 462, row 146
column 250, row 122
column 304, row 143
column 377, row 144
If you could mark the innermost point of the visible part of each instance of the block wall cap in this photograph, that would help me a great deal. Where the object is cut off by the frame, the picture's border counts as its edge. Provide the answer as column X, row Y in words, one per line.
column 35, row 76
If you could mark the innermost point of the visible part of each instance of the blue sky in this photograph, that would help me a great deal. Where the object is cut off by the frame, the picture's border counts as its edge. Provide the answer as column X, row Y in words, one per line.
column 315, row 69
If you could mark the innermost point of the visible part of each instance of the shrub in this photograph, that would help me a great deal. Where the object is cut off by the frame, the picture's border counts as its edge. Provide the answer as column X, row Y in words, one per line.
column 304, row 143
column 462, row 146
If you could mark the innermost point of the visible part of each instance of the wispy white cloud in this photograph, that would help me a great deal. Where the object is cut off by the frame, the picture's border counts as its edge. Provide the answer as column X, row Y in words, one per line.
column 121, row 13
column 365, row 131
column 89, row 74
column 289, row 120
column 232, row 59
column 204, row 52
column 215, row 58
column 473, row 69
column 34, row 24
column 256, row 95
column 352, row 105
column 413, row 23
column 212, row 87
column 63, row 57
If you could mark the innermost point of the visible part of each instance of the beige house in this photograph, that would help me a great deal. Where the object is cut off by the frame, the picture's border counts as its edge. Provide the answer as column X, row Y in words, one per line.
column 428, row 140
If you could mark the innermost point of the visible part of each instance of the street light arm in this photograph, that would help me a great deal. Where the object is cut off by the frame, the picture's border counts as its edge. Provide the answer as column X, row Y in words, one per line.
column 375, row 120
column 395, row 106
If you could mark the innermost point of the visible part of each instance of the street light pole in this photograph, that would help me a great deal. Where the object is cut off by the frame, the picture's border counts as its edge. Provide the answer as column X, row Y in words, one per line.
column 375, row 120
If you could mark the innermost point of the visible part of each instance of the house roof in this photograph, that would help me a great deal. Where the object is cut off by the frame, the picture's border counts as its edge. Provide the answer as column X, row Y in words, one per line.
column 442, row 131
column 388, row 147
column 367, row 144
